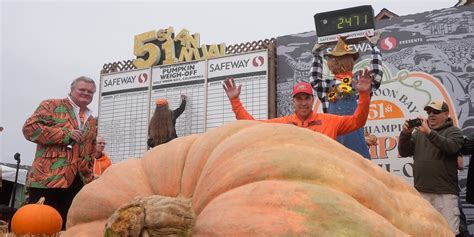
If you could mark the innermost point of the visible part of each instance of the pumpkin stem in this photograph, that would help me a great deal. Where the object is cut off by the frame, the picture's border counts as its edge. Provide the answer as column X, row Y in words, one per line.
column 152, row 216
column 41, row 201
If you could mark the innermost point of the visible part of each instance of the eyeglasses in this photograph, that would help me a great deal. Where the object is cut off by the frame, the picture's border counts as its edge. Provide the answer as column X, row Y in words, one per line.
column 433, row 111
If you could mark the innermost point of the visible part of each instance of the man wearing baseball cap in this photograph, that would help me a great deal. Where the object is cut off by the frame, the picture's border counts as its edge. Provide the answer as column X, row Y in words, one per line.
column 304, row 116
column 437, row 105
column 435, row 146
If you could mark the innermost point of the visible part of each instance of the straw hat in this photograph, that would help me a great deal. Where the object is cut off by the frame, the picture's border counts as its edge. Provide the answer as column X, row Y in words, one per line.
column 342, row 49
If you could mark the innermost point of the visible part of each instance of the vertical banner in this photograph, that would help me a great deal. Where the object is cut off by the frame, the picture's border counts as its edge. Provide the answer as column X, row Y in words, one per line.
column 123, row 113
column 249, row 70
column 172, row 81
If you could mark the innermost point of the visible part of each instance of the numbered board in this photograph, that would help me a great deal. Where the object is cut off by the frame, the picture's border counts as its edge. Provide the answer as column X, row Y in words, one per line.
column 249, row 70
column 172, row 81
column 352, row 22
column 127, row 99
column 123, row 113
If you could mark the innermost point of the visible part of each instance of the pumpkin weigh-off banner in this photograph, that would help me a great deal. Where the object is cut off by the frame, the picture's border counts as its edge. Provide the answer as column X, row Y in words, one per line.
column 127, row 99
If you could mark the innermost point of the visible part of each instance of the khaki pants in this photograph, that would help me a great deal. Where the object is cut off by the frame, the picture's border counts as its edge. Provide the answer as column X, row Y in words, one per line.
column 447, row 205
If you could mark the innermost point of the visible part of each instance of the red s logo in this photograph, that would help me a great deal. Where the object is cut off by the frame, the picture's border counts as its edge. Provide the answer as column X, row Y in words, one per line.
column 388, row 43
column 142, row 78
column 258, row 61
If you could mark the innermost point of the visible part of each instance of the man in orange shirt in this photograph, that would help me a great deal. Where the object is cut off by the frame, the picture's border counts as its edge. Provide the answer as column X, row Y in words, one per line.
column 304, row 116
column 101, row 160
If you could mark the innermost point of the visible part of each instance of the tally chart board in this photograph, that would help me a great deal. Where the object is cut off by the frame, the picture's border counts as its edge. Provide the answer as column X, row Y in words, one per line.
column 123, row 113
column 127, row 99
column 249, row 70
column 172, row 81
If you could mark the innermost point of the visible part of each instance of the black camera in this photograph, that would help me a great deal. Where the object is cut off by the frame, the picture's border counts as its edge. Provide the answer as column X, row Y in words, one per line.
column 414, row 123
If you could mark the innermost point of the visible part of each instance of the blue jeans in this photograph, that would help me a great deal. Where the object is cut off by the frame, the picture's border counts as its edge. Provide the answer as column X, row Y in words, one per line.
column 354, row 140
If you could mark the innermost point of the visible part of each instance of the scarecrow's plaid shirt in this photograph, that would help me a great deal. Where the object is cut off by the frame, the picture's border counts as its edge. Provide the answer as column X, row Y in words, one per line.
column 322, row 86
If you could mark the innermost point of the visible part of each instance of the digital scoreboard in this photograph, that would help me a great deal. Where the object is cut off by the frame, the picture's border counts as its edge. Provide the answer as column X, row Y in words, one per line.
column 354, row 22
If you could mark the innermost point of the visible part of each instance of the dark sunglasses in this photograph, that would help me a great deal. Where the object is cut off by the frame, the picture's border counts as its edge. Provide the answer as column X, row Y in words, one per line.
column 433, row 111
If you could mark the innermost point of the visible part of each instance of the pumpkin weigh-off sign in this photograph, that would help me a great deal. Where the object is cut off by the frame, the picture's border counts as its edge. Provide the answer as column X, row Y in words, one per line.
column 249, row 178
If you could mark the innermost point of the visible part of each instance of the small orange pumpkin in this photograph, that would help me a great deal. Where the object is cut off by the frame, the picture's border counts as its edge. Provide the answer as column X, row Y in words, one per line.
column 37, row 219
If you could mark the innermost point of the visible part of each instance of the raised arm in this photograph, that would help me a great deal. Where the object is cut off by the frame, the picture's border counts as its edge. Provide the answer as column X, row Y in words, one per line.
column 233, row 91
column 406, row 142
column 320, row 86
column 376, row 63
column 177, row 112
column 449, row 143
column 359, row 118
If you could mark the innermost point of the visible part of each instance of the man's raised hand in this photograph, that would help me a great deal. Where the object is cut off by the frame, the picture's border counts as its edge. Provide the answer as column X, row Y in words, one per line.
column 364, row 83
column 231, row 89
column 374, row 39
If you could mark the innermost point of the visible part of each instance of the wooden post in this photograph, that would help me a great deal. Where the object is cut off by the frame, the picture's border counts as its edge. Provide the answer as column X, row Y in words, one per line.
column 272, row 110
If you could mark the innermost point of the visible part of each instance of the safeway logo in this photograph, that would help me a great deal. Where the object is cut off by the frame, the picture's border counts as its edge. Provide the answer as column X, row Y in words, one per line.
column 388, row 43
column 142, row 78
column 258, row 61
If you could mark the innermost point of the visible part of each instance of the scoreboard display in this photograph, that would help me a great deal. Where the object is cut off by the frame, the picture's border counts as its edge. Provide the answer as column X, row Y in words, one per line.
column 354, row 22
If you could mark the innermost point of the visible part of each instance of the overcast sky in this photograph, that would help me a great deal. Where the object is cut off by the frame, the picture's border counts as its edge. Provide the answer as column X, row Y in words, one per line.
column 45, row 45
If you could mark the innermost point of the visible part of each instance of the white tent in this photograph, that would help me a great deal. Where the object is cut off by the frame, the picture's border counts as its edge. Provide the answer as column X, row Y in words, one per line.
column 8, row 174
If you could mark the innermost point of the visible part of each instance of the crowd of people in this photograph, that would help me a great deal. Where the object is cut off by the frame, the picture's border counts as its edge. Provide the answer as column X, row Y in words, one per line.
column 70, row 153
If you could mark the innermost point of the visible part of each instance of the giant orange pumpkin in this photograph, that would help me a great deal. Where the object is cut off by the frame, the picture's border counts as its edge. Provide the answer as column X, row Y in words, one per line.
column 37, row 219
column 251, row 178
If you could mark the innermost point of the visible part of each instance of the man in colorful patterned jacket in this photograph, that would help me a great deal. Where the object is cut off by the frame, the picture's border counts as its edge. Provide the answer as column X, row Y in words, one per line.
column 64, row 131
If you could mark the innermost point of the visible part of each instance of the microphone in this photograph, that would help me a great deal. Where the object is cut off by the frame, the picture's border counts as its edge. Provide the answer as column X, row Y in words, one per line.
column 74, row 142
column 17, row 157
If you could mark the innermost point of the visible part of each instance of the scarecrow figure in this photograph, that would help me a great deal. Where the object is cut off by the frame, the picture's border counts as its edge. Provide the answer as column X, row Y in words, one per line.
column 336, row 94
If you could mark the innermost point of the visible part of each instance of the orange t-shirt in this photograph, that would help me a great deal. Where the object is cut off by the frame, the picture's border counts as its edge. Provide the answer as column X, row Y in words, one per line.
column 329, row 124
column 100, row 164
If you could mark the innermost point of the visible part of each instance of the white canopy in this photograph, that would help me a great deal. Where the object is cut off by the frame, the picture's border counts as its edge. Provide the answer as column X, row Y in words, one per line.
column 8, row 173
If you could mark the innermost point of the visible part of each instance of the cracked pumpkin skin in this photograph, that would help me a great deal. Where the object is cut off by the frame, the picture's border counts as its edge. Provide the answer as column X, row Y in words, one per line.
column 250, row 178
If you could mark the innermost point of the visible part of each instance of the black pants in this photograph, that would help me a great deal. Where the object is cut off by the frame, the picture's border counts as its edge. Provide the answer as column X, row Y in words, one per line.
column 59, row 198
